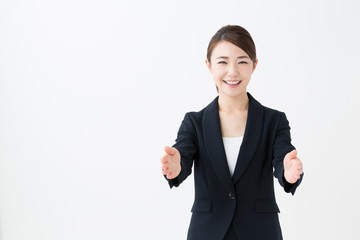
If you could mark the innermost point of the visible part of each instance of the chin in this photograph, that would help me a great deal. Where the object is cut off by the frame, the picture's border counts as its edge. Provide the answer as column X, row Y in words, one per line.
column 233, row 93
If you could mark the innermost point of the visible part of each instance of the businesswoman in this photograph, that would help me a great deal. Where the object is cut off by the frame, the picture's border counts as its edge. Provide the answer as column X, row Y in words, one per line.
column 236, row 146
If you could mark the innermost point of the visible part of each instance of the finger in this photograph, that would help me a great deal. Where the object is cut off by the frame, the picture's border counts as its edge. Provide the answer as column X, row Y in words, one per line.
column 169, row 150
column 290, row 155
column 170, row 176
column 164, row 159
column 295, row 178
column 293, row 154
column 299, row 165
column 165, row 171
column 295, row 163
column 298, row 172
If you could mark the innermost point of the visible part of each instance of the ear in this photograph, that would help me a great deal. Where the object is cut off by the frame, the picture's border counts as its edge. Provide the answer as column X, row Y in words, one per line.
column 255, row 64
column 208, row 64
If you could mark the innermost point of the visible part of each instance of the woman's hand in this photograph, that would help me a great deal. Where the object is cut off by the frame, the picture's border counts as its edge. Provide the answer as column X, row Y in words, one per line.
column 170, row 163
column 293, row 167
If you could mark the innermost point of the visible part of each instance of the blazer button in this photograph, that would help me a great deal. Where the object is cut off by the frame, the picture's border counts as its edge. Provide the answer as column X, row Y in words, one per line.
column 231, row 196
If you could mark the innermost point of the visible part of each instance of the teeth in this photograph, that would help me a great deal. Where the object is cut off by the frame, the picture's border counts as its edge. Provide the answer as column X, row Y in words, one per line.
column 233, row 82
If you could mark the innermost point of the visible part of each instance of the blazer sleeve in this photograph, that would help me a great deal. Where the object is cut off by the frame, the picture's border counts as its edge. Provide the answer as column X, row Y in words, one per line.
column 185, row 143
column 282, row 146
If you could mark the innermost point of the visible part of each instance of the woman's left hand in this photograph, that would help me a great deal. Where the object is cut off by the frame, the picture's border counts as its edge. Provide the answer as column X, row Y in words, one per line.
column 293, row 167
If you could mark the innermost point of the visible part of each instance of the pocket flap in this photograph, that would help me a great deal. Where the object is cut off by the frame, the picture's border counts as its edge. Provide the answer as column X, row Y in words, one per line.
column 266, row 206
column 201, row 205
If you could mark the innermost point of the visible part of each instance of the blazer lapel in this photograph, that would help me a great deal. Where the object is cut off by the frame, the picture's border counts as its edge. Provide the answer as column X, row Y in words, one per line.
column 252, row 136
column 214, row 143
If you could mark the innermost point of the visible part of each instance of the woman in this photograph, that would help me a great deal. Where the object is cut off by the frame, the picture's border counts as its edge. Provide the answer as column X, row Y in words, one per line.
column 234, row 144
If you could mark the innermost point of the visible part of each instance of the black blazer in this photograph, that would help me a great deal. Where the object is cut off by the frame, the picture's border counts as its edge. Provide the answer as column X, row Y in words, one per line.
column 246, row 200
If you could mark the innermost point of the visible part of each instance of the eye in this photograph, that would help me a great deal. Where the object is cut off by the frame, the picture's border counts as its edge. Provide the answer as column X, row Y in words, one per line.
column 242, row 62
column 222, row 62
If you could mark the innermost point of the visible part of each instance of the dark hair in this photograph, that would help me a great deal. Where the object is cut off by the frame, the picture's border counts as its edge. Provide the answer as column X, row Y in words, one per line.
column 236, row 35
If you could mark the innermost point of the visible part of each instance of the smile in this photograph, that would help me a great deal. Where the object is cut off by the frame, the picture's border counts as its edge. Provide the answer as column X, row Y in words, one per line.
column 232, row 82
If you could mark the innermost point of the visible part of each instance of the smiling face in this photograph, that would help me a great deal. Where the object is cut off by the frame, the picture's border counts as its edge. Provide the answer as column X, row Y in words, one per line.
column 231, row 68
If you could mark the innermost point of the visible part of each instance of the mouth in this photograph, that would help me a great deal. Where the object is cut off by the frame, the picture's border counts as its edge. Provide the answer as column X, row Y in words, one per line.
column 232, row 82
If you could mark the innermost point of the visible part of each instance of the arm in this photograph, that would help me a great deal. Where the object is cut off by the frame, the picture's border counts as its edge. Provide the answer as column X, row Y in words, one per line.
column 282, row 146
column 187, row 148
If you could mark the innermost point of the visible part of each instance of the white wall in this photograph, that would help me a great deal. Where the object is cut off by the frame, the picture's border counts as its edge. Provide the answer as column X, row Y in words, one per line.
column 91, row 91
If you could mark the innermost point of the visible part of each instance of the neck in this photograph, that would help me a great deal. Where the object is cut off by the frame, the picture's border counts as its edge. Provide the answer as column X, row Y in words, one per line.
column 231, row 104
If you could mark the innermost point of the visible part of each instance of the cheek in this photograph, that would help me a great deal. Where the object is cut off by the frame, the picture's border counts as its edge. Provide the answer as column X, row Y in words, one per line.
column 247, row 72
column 217, row 74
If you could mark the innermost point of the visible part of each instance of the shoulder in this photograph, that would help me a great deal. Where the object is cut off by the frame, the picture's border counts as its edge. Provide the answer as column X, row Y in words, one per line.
column 270, row 114
column 267, row 110
column 197, row 116
column 194, row 117
column 276, row 119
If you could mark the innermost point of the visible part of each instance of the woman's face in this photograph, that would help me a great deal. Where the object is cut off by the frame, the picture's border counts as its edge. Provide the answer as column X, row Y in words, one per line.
column 231, row 68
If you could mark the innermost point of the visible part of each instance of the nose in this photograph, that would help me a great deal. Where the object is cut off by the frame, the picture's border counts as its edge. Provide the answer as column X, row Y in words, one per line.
column 232, row 70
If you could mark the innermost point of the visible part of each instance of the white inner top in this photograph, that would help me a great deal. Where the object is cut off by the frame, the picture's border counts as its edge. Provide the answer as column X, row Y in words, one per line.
column 232, row 149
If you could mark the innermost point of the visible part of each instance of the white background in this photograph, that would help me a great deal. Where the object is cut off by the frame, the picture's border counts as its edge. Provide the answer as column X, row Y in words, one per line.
column 91, row 91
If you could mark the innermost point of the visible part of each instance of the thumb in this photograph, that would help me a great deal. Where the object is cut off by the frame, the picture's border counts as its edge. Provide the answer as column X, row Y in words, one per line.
column 169, row 150
column 291, row 155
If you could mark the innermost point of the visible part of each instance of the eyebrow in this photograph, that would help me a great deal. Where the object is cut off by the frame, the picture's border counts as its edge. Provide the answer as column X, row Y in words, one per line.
column 237, row 57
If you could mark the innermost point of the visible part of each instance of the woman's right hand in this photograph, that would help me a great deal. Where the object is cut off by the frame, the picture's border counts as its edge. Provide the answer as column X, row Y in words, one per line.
column 170, row 163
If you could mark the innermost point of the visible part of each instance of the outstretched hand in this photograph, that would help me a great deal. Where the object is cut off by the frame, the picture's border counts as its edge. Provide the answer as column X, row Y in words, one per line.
column 293, row 167
column 170, row 163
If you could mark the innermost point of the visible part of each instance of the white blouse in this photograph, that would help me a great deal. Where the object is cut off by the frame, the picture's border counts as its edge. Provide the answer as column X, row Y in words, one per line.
column 232, row 149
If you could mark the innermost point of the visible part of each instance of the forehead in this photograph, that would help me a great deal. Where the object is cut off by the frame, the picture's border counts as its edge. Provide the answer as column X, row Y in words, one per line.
column 227, row 49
